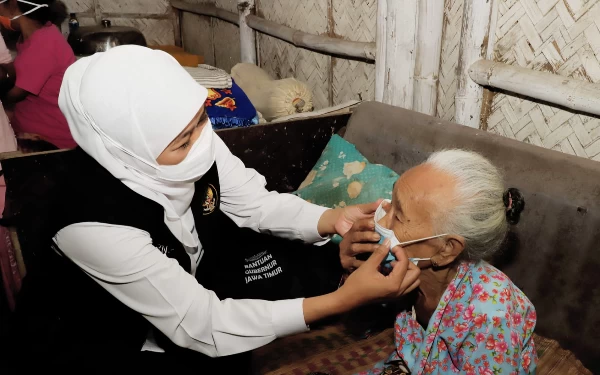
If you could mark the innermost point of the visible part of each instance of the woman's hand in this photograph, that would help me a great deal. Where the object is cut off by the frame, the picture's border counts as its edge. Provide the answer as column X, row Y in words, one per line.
column 352, row 214
column 366, row 285
column 340, row 220
column 361, row 239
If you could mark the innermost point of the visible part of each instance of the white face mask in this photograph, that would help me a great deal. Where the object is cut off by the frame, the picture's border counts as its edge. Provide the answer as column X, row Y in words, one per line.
column 389, row 234
column 196, row 163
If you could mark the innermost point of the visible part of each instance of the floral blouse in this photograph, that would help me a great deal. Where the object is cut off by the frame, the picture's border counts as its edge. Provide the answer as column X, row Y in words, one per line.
column 482, row 325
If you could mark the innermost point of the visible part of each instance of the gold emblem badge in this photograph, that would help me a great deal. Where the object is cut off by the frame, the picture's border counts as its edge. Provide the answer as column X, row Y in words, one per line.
column 210, row 200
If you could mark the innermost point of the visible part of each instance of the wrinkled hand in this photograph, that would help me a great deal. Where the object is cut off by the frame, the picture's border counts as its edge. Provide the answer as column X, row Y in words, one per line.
column 361, row 239
column 352, row 214
column 367, row 284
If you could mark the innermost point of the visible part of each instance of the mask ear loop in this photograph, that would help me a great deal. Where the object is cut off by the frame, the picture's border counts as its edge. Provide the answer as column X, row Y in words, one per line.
column 35, row 5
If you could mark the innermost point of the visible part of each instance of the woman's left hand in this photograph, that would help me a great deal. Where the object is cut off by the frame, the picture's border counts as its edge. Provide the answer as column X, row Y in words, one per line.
column 340, row 220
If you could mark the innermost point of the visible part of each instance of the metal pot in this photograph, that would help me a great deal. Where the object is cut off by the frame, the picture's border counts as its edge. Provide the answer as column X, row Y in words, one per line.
column 88, row 40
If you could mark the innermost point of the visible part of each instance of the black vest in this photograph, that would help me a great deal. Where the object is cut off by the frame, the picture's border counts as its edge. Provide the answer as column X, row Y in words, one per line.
column 63, row 309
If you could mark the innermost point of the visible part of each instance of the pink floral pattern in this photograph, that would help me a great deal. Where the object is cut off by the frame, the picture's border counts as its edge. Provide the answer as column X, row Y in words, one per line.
column 483, row 324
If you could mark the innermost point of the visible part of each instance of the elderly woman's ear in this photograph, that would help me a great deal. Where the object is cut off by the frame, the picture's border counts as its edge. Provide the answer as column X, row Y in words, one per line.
column 453, row 246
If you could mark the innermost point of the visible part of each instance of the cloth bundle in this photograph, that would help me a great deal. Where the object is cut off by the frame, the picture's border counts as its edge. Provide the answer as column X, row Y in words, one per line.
column 230, row 108
column 272, row 98
column 210, row 77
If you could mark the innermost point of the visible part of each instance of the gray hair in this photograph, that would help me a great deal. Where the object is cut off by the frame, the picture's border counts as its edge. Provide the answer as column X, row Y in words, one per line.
column 478, row 213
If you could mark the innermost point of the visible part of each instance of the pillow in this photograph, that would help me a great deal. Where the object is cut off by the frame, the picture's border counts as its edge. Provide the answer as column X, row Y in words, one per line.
column 344, row 177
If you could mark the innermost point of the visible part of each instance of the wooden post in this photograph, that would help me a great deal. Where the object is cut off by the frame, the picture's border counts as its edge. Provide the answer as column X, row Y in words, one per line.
column 395, row 74
column 474, row 46
column 429, row 51
column 247, row 34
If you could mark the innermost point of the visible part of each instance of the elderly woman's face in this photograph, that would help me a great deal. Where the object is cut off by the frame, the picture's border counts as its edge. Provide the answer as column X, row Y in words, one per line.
column 420, row 195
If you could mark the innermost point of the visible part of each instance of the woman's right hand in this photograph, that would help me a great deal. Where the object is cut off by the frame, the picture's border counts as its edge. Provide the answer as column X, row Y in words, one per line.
column 366, row 285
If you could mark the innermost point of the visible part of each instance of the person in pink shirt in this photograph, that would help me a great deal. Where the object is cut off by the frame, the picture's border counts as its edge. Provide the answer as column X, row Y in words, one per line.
column 43, row 56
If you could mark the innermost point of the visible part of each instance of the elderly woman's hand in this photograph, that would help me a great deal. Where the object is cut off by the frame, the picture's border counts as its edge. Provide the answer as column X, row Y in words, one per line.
column 361, row 239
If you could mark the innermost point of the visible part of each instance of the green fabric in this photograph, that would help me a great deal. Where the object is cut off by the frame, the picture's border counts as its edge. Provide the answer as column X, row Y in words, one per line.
column 344, row 177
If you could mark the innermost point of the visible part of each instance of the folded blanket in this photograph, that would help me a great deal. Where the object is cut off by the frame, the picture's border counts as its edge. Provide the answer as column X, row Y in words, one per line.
column 210, row 77
column 230, row 108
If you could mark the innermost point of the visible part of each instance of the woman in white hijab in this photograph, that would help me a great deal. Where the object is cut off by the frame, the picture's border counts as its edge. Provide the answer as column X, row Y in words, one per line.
column 146, row 213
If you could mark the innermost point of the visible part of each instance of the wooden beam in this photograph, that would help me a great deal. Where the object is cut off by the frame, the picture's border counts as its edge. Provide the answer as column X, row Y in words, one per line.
column 429, row 51
column 319, row 43
column 176, row 15
column 135, row 16
column 207, row 10
column 474, row 46
column 247, row 34
column 396, row 73
column 566, row 92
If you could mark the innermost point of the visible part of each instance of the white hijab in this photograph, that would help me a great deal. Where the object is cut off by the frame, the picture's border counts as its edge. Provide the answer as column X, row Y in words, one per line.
column 124, row 107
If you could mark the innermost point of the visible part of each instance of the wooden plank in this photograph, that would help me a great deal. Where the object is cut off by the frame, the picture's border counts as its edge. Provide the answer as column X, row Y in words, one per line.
column 197, row 36
column 156, row 31
column 227, row 50
column 400, row 48
column 474, row 46
column 427, row 61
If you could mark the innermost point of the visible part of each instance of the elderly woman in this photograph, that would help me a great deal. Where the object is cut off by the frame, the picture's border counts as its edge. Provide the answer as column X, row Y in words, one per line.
column 467, row 316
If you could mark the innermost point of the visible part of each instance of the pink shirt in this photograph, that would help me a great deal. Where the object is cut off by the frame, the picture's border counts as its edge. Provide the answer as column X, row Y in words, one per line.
column 40, row 65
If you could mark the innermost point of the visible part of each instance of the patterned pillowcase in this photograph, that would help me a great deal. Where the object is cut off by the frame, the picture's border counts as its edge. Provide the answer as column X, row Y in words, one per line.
column 344, row 177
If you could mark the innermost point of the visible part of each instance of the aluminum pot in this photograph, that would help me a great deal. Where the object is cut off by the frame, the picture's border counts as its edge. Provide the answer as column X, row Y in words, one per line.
column 88, row 40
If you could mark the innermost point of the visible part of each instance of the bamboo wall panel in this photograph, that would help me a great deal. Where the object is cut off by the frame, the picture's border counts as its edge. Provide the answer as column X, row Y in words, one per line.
column 559, row 36
column 283, row 60
column 453, row 14
column 354, row 20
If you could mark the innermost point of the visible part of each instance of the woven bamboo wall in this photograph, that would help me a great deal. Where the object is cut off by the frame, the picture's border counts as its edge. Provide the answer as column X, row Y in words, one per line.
column 153, row 17
column 557, row 36
column 332, row 80
column 451, row 34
